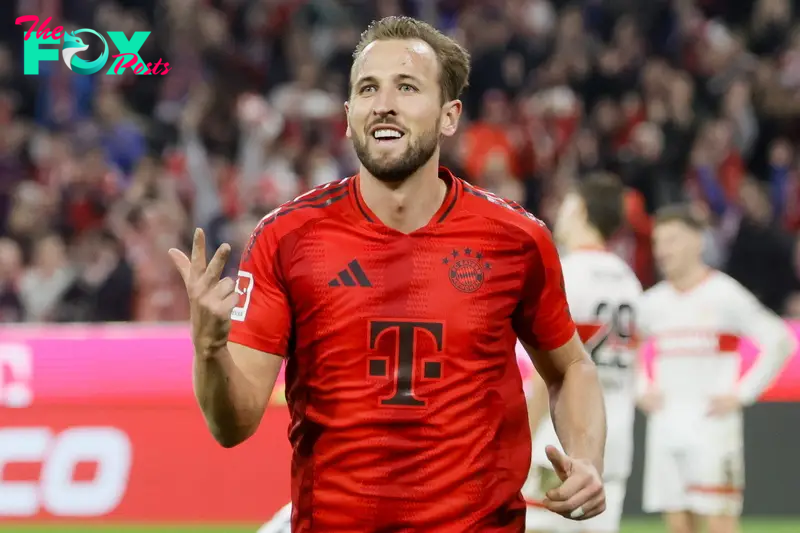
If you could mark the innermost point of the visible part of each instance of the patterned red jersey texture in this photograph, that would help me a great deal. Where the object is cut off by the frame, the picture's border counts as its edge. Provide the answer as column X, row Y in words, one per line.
column 406, row 402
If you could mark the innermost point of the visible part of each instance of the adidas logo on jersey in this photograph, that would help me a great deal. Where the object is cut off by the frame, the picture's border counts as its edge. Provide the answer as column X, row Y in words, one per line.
column 352, row 276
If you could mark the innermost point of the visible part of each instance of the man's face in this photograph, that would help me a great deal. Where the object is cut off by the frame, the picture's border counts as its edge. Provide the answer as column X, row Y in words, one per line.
column 395, row 114
column 676, row 247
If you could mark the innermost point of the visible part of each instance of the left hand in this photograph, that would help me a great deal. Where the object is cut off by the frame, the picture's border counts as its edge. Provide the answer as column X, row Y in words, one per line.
column 581, row 494
column 723, row 405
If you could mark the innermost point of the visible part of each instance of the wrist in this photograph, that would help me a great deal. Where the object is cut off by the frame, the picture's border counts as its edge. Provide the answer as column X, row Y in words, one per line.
column 596, row 463
column 212, row 350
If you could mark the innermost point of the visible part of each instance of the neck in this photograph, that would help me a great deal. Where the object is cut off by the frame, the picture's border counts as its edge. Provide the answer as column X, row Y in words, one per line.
column 691, row 277
column 585, row 238
column 408, row 205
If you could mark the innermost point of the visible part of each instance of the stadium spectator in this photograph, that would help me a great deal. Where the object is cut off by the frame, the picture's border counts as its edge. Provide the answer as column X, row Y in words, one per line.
column 686, row 100
column 11, row 309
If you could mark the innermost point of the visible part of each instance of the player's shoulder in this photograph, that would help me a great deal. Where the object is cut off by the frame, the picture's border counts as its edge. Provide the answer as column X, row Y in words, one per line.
column 486, row 205
column 322, row 202
column 576, row 268
column 724, row 288
column 718, row 280
column 624, row 270
column 657, row 292
column 718, row 287
column 599, row 273
column 589, row 258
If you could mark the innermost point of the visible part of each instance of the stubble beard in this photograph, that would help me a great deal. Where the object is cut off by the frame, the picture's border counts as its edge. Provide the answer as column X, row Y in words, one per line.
column 397, row 169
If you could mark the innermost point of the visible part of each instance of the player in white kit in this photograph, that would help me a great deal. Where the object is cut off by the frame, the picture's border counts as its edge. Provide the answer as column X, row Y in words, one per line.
column 694, row 470
column 603, row 294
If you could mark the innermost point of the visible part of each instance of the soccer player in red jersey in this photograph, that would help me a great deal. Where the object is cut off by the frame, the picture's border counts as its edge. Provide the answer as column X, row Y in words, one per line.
column 395, row 298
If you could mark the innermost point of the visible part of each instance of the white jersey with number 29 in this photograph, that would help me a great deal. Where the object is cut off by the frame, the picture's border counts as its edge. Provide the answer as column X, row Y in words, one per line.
column 603, row 295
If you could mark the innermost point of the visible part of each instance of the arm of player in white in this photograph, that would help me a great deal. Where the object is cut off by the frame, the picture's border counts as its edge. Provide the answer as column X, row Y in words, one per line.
column 233, row 389
column 772, row 336
column 644, row 383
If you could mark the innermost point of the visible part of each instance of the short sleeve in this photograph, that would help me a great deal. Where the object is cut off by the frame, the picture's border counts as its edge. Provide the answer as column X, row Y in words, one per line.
column 262, row 319
column 543, row 319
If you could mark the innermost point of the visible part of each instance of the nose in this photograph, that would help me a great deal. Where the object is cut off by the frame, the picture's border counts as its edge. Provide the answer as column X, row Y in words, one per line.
column 385, row 104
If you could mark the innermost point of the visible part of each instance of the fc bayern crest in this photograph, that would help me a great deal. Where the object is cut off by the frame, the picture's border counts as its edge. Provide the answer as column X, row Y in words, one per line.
column 467, row 269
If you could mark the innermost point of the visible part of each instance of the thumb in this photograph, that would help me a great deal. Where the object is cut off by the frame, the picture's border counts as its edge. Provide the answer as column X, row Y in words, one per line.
column 559, row 460
column 182, row 263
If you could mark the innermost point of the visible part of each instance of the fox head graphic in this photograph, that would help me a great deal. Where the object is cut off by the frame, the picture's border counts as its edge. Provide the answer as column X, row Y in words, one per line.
column 74, row 44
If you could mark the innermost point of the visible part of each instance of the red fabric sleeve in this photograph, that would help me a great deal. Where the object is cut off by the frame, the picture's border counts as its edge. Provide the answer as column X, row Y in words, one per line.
column 262, row 319
column 542, row 318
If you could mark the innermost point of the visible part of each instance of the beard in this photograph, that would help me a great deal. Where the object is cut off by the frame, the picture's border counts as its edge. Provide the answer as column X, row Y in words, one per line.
column 398, row 168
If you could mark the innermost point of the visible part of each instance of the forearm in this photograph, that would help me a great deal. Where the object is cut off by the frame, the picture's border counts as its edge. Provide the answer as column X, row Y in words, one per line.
column 777, row 345
column 228, row 399
column 643, row 383
column 578, row 411
column 537, row 403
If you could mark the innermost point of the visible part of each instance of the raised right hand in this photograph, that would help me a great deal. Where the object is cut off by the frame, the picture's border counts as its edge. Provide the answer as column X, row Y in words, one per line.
column 211, row 299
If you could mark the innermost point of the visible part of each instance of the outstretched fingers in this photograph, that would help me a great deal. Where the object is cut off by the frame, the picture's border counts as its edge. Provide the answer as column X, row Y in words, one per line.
column 198, row 254
column 217, row 264
column 182, row 263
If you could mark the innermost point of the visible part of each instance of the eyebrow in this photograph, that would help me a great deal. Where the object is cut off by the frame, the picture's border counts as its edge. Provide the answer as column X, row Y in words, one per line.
column 397, row 77
column 408, row 77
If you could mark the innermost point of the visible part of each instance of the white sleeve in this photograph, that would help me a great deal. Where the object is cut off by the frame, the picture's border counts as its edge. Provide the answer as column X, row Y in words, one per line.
column 770, row 333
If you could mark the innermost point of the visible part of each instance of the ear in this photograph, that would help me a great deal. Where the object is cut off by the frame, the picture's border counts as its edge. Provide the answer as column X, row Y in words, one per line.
column 451, row 113
column 347, row 114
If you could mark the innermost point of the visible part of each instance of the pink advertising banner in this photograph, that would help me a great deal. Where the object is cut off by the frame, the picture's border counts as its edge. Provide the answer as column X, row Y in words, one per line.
column 117, row 399
column 135, row 364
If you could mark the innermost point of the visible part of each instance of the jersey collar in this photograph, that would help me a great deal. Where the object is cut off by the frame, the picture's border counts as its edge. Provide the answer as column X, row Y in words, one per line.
column 454, row 193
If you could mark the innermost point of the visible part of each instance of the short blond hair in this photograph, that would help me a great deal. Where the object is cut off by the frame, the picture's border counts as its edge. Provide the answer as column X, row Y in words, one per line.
column 453, row 58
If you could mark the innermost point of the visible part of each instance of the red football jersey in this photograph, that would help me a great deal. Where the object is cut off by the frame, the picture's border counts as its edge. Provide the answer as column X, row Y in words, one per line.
column 407, row 406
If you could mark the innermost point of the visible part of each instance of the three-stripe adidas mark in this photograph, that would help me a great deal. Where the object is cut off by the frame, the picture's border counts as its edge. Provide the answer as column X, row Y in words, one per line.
column 353, row 277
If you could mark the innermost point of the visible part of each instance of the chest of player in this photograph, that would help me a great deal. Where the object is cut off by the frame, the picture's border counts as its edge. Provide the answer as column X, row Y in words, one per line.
column 411, row 277
column 461, row 287
column 692, row 324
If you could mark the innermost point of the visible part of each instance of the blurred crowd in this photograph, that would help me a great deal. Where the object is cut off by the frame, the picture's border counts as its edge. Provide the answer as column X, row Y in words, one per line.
column 686, row 100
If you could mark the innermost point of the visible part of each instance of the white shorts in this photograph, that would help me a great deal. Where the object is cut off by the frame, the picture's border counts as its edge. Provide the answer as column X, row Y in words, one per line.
column 703, row 475
column 281, row 522
column 540, row 519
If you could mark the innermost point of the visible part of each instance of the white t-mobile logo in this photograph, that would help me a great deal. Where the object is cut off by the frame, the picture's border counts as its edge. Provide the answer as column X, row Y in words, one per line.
column 59, row 453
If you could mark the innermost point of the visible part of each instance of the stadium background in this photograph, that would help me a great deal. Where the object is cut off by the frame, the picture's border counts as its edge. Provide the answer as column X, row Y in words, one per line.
column 695, row 100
